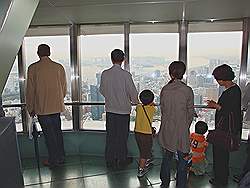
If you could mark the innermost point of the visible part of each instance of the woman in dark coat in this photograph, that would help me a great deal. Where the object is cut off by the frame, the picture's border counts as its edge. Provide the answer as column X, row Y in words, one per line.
column 229, row 104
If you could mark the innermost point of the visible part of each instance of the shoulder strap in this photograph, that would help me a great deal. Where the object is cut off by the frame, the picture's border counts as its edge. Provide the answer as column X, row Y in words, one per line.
column 146, row 115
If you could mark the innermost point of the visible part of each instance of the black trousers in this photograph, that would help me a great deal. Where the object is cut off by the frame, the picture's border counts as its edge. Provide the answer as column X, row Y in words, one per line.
column 117, row 128
column 51, row 127
column 220, row 164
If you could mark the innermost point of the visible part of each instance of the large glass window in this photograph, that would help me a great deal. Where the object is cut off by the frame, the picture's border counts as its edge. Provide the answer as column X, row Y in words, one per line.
column 152, row 48
column 15, row 112
column 59, row 41
column 11, row 95
column 11, row 92
column 97, row 42
column 207, row 50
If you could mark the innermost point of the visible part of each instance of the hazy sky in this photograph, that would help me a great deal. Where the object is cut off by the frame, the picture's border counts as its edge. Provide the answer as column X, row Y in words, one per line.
column 201, row 46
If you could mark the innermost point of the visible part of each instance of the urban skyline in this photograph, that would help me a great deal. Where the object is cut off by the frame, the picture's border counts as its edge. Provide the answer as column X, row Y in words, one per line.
column 149, row 72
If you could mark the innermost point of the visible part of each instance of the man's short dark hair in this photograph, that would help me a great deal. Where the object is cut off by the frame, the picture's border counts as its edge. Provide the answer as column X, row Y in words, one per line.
column 117, row 55
column 201, row 127
column 43, row 50
column 223, row 72
column 177, row 69
column 146, row 97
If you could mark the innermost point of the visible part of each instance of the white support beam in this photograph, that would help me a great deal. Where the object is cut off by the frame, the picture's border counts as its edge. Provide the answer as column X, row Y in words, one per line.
column 17, row 18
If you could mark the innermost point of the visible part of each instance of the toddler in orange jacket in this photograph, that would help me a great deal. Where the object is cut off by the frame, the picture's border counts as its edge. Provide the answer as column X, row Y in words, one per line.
column 198, row 148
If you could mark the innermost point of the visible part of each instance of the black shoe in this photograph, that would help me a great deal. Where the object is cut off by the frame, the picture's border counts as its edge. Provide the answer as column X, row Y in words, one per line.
column 237, row 178
column 213, row 182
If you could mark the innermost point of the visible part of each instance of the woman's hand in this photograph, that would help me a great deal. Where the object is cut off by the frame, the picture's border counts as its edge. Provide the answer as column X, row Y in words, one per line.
column 213, row 104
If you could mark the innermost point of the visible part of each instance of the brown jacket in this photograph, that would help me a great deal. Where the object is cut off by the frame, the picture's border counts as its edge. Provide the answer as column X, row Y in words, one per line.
column 46, row 87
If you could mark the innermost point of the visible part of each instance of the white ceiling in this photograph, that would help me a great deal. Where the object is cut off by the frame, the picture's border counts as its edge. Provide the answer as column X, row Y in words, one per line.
column 50, row 12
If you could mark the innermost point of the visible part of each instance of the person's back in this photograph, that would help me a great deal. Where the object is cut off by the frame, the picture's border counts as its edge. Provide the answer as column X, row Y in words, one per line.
column 177, row 112
column 45, row 92
column 50, row 88
column 198, row 148
column 118, row 92
column 144, row 131
column 177, row 115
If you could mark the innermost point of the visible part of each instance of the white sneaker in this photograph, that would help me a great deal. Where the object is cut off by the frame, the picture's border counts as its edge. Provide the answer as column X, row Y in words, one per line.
column 149, row 162
column 141, row 172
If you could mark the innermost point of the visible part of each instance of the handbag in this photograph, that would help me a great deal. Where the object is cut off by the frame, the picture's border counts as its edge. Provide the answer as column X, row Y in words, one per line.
column 225, row 139
column 153, row 128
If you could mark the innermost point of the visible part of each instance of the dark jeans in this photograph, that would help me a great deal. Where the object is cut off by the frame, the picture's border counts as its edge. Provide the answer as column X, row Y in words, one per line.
column 182, row 167
column 117, row 128
column 51, row 127
column 220, row 164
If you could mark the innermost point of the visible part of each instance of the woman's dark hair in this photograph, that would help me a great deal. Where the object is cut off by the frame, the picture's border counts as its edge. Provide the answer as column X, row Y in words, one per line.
column 146, row 97
column 117, row 55
column 177, row 69
column 223, row 72
column 43, row 50
column 201, row 127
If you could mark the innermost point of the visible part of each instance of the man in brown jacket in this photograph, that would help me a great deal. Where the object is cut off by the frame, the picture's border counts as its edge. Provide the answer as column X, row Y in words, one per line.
column 46, row 89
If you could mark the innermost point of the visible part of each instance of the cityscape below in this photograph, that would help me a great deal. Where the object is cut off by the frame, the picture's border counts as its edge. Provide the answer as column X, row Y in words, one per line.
column 147, row 72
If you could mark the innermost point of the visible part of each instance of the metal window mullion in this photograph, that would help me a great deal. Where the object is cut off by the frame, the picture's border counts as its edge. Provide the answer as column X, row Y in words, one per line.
column 244, row 52
column 183, row 30
column 126, row 46
column 22, row 78
column 75, row 73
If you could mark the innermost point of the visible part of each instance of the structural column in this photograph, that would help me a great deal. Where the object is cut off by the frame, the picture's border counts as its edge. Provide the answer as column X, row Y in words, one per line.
column 183, row 30
column 75, row 73
column 22, row 78
column 244, row 52
column 126, row 46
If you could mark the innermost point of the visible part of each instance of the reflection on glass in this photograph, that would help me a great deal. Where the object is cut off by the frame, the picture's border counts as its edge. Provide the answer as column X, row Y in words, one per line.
column 60, row 53
column 207, row 51
column 11, row 92
column 15, row 112
column 248, row 66
column 93, row 117
column 151, row 53
column 66, row 118
column 95, row 57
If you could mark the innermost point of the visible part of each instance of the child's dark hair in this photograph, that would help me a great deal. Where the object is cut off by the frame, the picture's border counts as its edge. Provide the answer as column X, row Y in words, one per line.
column 201, row 127
column 146, row 97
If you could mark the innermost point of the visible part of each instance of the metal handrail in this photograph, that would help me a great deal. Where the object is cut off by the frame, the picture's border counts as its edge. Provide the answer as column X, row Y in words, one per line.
column 82, row 104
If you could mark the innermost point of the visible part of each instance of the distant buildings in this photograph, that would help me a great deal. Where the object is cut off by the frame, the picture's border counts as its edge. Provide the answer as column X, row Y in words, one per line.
column 147, row 73
column 95, row 96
